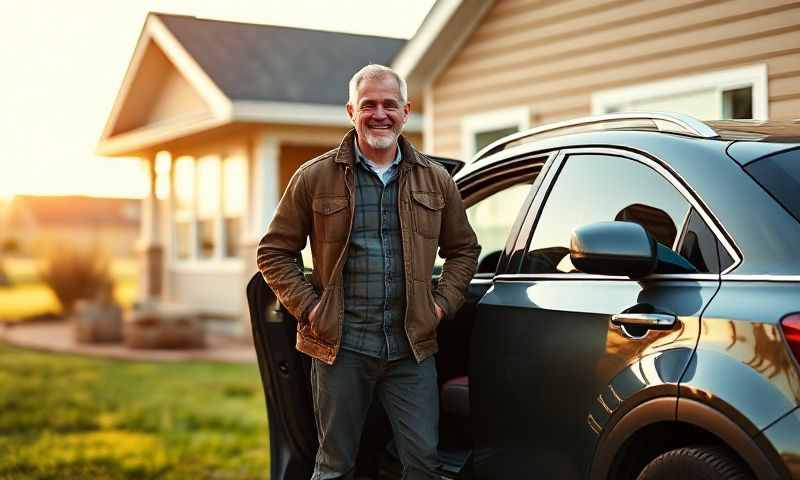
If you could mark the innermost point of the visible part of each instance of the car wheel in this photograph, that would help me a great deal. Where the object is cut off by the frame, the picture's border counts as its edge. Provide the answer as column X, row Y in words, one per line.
column 696, row 462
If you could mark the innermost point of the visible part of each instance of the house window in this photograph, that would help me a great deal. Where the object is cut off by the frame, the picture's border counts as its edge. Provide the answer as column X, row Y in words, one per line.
column 184, row 207
column 478, row 131
column 739, row 93
column 209, row 203
column 233, row 203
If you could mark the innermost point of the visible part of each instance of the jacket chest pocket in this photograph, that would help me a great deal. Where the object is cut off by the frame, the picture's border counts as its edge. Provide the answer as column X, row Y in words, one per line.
column 330, row 218
column 427, row 212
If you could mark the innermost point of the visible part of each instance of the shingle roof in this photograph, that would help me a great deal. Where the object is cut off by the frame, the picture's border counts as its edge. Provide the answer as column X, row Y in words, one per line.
column 280, row 64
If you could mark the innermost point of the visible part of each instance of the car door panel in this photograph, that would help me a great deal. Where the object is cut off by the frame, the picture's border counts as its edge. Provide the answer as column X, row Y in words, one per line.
column 552, row 369
column 285, row 379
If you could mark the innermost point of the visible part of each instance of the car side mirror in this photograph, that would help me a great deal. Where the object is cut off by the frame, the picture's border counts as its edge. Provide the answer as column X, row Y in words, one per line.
column 613, row 248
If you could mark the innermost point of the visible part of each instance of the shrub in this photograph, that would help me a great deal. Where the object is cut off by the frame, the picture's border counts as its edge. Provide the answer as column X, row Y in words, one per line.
column 10, row 245
column 75, row 273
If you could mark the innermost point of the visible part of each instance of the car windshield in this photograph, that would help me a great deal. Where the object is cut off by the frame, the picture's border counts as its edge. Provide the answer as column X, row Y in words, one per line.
column 779, row 174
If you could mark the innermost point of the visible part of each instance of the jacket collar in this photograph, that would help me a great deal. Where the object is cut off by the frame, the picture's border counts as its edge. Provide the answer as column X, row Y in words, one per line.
column 346, row 151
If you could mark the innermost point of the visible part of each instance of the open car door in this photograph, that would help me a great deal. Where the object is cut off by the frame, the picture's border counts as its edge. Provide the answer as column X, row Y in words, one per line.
column 450, row 164
column 287, row 388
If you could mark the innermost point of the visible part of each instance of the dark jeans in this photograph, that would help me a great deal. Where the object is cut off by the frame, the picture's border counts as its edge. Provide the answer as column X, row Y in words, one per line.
column 343, row 393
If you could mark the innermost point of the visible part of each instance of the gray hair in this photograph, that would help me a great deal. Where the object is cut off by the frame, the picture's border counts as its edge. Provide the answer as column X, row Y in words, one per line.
column 375, row 71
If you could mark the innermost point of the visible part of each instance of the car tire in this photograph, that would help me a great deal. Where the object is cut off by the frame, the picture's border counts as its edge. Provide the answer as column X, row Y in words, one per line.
column 696, row 462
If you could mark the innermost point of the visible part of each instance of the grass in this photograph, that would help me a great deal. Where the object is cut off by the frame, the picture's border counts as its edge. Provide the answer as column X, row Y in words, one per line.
column 72, row 417
column 28, row 296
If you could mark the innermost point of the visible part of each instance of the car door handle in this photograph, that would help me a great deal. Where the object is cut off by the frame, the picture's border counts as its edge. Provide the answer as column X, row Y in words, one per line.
column 652, row 321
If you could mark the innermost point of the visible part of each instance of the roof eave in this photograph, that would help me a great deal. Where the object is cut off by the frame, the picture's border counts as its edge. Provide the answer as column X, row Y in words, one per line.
column 134, row 142
column 444, row 30
column 285, row 113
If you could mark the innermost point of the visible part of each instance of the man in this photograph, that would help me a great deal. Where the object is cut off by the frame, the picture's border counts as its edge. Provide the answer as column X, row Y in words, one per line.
column 376, row 210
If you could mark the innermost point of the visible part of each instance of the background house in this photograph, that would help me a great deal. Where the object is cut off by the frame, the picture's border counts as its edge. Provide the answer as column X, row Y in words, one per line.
column 488, row 68
column 30, row 224
column 223, row 113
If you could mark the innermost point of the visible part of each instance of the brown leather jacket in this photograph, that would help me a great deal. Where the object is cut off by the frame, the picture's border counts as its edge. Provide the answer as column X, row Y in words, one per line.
column 320, row 201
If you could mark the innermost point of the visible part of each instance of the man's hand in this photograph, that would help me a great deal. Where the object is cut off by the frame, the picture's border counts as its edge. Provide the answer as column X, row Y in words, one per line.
column 439, row 311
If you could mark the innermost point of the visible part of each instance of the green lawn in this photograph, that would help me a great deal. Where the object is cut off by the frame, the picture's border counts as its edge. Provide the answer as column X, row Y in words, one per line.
column 73, row 417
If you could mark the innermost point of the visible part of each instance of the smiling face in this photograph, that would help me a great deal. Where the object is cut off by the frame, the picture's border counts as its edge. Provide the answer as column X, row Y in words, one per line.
column 379, row 114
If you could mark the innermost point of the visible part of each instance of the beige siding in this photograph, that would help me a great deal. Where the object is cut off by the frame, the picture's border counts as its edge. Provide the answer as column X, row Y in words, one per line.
column 551, row 56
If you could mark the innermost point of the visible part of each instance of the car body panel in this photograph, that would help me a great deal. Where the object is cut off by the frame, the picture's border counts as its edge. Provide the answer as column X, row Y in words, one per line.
column 521, row 359
column 742, row 366
column 784, row 437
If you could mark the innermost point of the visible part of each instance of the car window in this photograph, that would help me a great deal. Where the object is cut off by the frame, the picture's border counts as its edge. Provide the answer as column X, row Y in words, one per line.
column 491, row 219
column 599, row 188
column 701, row 247
column 779, row 174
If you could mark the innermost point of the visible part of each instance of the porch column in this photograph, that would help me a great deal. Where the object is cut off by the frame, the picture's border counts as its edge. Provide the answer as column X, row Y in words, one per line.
column 262, row 198
column 266, row 170
column 150, row 247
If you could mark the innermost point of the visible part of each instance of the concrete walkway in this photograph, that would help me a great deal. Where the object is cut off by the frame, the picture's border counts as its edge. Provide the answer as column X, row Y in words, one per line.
column 57, row 336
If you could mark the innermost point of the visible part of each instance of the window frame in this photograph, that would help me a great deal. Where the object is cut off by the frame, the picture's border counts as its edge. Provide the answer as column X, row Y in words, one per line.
column 471, row 125
column 552, row 173
column 218, row 261
column 482, row 183
column 754, row 76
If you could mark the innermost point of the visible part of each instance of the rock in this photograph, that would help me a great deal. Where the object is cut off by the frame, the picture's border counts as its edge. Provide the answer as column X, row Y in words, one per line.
column 97, row 321
column 154, row 326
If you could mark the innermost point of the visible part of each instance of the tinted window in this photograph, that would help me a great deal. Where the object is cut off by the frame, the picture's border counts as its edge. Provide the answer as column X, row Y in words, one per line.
column 780, row 175
column 600, row 188
column 699, row 245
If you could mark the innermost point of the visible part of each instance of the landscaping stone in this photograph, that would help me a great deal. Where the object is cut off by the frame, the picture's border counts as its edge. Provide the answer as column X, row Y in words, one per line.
column 97, row 321
column 156, row 326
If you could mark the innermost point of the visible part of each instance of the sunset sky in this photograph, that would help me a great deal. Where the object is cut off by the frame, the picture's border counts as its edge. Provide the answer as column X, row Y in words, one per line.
column 63, row 61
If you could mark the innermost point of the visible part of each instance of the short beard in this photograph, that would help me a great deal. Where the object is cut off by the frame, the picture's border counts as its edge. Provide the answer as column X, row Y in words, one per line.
column 382, row 142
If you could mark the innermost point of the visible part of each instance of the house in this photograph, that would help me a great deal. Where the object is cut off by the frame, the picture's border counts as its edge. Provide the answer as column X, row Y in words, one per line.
column 488, row 68
column 31, row 224
column 223, row 113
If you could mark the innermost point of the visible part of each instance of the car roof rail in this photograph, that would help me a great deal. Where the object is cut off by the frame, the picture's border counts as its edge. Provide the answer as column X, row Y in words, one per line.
column 650, row 121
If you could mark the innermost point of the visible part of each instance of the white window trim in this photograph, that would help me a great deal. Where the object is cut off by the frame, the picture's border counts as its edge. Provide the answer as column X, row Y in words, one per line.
column 754, row 76
column 471, row 125
column 218, row 262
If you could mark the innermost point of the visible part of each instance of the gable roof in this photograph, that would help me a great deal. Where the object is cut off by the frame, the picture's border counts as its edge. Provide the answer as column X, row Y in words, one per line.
column 234, row 72
column 278, row 64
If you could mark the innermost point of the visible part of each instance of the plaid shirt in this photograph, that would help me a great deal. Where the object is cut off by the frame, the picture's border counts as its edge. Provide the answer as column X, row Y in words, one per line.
column 373, row 276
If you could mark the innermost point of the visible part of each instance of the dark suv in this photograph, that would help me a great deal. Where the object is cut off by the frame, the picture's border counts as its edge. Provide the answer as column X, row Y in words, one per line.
column 636, row 311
